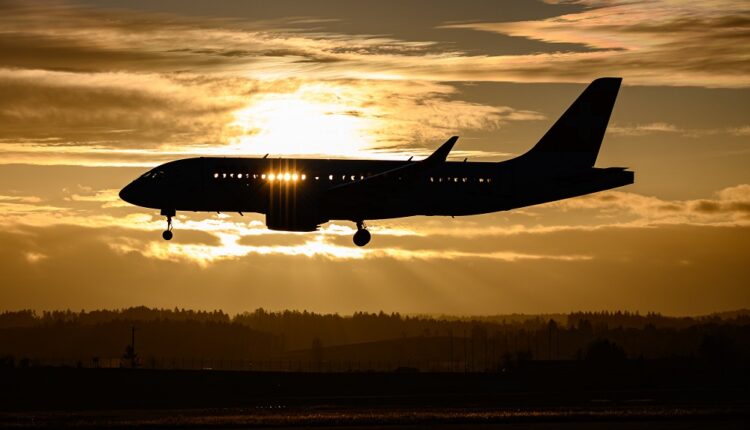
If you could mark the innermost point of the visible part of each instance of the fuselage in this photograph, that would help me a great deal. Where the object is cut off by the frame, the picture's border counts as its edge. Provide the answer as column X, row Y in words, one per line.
column 314, row 186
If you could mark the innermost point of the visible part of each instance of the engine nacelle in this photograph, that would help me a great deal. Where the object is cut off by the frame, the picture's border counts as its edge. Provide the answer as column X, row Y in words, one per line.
column 300, row 220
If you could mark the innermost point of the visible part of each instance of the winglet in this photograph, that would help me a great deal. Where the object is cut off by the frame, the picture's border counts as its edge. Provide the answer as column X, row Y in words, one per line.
column 407, row 169
column 441, row 154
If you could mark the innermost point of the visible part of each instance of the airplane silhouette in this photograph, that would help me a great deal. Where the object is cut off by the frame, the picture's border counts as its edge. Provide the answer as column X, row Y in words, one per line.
column 298, row 194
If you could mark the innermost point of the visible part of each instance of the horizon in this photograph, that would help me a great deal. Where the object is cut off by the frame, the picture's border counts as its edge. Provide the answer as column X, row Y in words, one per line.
column 446, row 317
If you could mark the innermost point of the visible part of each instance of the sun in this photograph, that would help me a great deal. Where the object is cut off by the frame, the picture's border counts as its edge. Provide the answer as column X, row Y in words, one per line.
column 316, row 120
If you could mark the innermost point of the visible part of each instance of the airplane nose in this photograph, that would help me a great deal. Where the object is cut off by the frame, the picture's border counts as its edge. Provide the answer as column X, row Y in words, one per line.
column 128, row 193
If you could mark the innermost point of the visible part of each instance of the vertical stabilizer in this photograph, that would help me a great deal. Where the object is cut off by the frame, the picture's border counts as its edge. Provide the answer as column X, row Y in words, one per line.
column 574, row 140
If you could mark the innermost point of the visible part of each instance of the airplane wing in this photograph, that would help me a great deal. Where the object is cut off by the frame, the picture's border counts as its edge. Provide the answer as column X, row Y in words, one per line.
column 405, row 172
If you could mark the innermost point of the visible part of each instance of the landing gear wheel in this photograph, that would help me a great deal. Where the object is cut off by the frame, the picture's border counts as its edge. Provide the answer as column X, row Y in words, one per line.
column 362, row 236
column 167, row 234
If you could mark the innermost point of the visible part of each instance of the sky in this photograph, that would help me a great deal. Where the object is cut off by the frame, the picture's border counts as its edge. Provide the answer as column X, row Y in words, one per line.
column 94, row 93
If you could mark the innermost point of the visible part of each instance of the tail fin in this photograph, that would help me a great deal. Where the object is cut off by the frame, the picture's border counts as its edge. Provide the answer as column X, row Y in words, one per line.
column 574, row 140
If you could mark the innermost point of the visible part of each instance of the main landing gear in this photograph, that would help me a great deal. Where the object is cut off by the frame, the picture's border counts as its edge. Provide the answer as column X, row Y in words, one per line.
column 362, row 236
column 169, row 213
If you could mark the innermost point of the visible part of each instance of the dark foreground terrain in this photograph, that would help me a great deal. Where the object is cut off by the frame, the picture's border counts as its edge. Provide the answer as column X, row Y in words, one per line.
column 568, row 394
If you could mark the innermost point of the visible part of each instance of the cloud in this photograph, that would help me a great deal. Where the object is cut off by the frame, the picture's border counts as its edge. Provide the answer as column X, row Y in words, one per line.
column 19, row 199
column 642, row 129
column 34, row 257
column 93, row 85
column 78, row 83
column 660, row 42
column 361, row 116
column 655, row 43
column 134, row 88
column 108, row 198
column 50, row 109
column 62, row 117
column 667, row 128
column 729, row 207
column 321, row 247
column 741, row 131
column 84, row 268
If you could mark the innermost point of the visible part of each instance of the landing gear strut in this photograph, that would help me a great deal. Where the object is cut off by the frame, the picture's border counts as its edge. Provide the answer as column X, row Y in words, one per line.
column 362, row 236
column 169, row 213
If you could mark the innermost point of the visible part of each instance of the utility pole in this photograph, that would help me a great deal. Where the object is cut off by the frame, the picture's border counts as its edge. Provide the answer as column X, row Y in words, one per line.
column 130, row 354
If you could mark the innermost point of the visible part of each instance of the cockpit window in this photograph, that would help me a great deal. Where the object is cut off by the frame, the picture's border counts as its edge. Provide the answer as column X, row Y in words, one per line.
column 154, row 174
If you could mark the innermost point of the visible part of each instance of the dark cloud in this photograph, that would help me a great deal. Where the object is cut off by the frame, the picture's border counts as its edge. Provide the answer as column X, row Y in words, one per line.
column 694, row 25
column 646, row 43
column 105, row 111
column 715, row 207
column 413, row 20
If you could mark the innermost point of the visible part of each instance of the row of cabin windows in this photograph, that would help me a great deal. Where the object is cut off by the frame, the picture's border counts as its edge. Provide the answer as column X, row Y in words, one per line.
column 461, row 179
column 294, row 177
column 270, row 177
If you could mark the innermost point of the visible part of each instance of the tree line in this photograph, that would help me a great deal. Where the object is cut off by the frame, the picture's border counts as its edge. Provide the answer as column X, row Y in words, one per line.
column 476, row 343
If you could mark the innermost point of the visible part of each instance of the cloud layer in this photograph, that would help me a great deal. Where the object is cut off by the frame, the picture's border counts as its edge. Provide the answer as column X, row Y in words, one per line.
column 663, row 42
column 90, row 85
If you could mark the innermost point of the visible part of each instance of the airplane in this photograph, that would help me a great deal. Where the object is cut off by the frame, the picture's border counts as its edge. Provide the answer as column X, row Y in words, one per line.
column 297, row 194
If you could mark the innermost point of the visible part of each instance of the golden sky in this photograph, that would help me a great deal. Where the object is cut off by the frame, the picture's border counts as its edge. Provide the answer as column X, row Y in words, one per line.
column 93, row 93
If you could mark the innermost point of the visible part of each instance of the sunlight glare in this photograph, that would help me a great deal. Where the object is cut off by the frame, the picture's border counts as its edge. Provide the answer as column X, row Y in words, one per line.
column 314, row 120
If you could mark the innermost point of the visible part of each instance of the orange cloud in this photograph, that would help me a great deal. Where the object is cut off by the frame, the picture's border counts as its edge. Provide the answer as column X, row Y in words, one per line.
column 663, row 42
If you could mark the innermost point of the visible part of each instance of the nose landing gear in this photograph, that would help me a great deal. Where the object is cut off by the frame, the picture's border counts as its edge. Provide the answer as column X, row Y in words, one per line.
column 362, row 236
column 169, row 213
